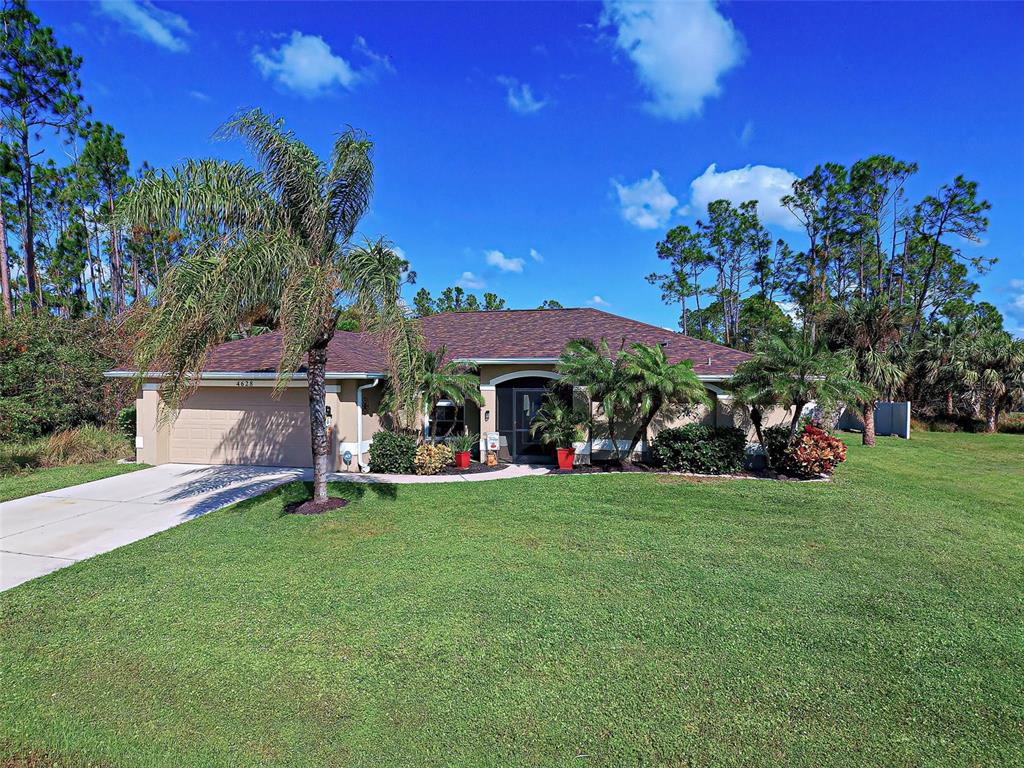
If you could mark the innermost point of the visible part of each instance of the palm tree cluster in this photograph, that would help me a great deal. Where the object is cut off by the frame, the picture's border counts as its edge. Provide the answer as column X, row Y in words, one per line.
column 629, row 387
column 861, row 357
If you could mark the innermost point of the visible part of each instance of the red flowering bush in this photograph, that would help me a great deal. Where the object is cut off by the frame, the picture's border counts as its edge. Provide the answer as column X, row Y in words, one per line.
column 813, row 452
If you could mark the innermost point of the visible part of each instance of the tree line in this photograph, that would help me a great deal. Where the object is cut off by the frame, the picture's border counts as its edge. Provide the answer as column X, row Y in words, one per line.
column 61, row 176
column 883, row 279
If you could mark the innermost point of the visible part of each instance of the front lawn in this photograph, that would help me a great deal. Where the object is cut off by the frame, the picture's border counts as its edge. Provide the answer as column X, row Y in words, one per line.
column 554, row 621
column 31, row 481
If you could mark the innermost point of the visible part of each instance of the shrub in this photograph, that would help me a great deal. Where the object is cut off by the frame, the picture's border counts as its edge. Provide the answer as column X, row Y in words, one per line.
column 86, row 445
column 126, row 422
column 1012, row 423
column 956, row 423
column 23, row 455
column 814, row 452
column 51, row 373
column 392, row 453
column 431, row 459
column 700, row 448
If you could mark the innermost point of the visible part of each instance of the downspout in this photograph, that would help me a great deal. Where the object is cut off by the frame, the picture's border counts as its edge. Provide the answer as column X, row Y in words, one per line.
column 359, row 424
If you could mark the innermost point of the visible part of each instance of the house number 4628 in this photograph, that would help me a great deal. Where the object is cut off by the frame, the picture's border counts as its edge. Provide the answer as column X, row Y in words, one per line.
column 243, row 383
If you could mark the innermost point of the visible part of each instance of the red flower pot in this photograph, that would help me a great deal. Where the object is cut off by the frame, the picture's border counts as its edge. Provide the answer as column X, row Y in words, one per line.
column 462, row 459
column 566, row 456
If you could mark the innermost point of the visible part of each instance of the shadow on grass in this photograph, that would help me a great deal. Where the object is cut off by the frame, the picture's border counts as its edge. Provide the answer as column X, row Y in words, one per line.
column 290, row 493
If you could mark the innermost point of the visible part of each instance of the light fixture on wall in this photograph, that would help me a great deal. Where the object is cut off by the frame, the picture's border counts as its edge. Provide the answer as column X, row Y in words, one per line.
column 487, row 415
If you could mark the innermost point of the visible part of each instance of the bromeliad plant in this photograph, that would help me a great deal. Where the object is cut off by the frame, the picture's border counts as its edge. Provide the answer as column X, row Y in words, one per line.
column 278, row 245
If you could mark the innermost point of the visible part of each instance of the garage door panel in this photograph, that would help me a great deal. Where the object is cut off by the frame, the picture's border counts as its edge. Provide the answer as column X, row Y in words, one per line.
column 250, row 427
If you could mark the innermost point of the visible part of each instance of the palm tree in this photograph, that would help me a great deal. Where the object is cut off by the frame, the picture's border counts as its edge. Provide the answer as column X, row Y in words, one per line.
column 558, row 422
column 870, row 329
column 946, row 357
column 653, row 382
column 998, row 373
column 439, row 379
column 800, row 371
column 592, row 367
column 753, row 390
column 280, row 244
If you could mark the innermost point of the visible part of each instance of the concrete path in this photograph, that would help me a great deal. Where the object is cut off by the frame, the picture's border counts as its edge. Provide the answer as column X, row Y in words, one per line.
column 42, row 533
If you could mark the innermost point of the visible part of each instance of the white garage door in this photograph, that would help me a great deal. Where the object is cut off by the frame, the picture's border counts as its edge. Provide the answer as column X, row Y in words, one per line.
column 229, row 425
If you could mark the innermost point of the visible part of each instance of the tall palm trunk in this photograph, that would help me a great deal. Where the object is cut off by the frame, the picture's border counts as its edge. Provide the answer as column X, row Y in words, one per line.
column 116, row 269
column 641, row 431
column 798, row 410
column 29, row 226
column 5, row 267
column 757, row 419
column 991, row 413
column 316, row 378
column 949, row 403
column 868, row 410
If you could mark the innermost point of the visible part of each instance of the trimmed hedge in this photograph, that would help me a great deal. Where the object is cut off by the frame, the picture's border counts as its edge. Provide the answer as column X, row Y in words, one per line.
column 392, row 453
column 700, row 448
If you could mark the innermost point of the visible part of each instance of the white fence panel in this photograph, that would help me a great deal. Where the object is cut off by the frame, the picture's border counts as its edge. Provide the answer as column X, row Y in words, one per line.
column 891, row 418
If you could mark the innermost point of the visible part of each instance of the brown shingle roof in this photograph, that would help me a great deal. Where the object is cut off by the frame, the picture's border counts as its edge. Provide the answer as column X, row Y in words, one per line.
column 506, row 334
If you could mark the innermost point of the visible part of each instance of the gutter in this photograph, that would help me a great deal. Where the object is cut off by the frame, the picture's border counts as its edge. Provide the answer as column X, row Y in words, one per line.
column 259, row 376
column 359, row 424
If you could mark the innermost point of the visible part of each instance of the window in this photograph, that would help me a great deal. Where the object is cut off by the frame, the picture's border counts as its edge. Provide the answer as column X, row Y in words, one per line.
column 447, row 419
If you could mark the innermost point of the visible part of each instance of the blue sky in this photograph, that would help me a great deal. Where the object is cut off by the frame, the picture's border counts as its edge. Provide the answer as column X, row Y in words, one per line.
column 540, row 150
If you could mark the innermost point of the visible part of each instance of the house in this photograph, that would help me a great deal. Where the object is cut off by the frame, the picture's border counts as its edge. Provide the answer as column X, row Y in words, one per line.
column 233, row 417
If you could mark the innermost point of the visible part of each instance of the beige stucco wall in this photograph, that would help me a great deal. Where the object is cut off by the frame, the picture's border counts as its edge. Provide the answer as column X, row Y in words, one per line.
column 154, row 433
column 341, row 399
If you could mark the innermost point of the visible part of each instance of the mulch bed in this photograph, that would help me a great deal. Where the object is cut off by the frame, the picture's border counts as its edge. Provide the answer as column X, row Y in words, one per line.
column 603, row 467
column 310, row 507
column 475, row 468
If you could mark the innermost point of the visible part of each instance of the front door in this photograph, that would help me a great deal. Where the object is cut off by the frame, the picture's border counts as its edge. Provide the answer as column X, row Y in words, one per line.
column 526, row 402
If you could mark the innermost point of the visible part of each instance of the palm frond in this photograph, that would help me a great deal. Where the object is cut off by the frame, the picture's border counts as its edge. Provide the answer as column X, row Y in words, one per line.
column 294, row 172
column 349, row 183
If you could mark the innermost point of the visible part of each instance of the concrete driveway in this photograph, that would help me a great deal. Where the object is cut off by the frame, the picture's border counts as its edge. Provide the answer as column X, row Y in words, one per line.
column 42, row 533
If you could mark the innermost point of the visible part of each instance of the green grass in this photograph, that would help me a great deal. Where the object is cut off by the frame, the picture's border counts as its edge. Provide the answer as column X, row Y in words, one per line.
column 30, row 481
column 560, row 621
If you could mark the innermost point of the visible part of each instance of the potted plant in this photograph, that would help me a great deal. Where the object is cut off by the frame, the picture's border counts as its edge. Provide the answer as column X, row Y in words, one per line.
column 463, row 445
column 561, row 425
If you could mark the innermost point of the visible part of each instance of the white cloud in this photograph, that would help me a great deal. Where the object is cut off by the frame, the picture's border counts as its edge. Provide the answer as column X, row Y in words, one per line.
column 646, row 203
column 1015, row 308
column 536, row 255
column 680, row 50
column 519, row 97
column 142, row 18
column 470, row 281
column 597, row 301
column 503, row 262
column 747, row 134
column 763, row 183
column 198, row 95
column 377, row 61
column 305, row 64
